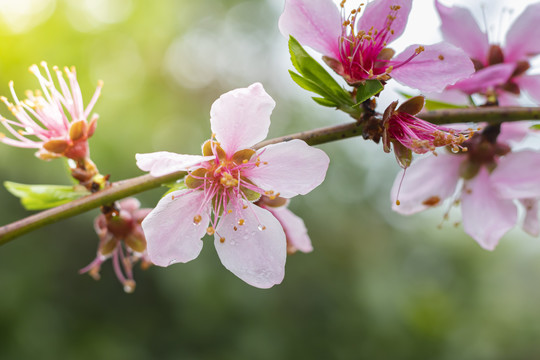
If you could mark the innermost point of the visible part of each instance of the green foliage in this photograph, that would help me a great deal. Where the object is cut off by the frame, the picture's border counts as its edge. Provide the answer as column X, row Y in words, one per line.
column 39, row 197
column 313, row 77
column 371, row 88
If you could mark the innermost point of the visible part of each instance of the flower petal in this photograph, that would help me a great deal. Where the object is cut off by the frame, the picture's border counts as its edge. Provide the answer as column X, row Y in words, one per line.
column 433, row 69
column 459, row 28
column 516, row 176
column 294, row 227
column 505, row 98
column 513, row 132
column 315, row 23
column 531, row 225
column 522, row 37
column 169, row 229
column 485, row 78
column 289, row 168
column 531, row 85
column 486, row 217
column 164, row 162
column 240, row 118
column 427, row 183
column 376, row 15
column 255, row 256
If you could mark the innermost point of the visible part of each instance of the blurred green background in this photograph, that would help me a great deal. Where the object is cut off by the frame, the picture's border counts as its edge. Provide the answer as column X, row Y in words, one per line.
column 377, row 286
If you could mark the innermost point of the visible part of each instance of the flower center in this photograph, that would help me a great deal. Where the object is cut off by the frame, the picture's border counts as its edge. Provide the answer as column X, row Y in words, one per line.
column 363, row 52
column 224, row 184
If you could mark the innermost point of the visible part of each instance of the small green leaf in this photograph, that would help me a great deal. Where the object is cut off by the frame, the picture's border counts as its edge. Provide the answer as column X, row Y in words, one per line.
column 39, row 197
column 435, row 104
column 369, row 89
column 535, row 127
column 175, row 186
column 324, row 102
column 314, row 77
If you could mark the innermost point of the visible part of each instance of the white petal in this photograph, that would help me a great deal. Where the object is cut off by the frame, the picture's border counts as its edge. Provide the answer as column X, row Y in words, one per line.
column 289, row 168
column 486, row 217
column 164, row 162
column 427, row 183
column 169, row 229
column 241, row 118
column 255, row 256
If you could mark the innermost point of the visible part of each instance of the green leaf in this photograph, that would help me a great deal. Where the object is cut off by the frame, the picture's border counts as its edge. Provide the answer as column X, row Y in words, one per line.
column 324, row 102
column 435, row 104
column 174, row 186
column 314, row 77
column 39, row 197
column 366, row 91
column 535, row 127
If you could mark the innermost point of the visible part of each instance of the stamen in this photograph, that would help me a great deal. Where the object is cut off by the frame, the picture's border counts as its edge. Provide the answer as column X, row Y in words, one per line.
column 197, row 219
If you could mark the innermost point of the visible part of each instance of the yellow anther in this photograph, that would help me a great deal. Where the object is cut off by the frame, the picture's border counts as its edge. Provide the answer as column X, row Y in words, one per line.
column 229, row 211
column 210, row 230
column 241, row 222
column 197, row 219
column 222, row 240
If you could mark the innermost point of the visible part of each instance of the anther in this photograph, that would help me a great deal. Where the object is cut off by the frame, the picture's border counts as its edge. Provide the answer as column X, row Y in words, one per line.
column 197, row 219
column 222, row 240
column 241, row 222
column 210, row 230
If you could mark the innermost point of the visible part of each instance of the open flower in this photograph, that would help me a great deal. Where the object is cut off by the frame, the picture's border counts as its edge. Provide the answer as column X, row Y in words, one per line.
column 53, row 121
column 410, row 134
column 479, row 179
column 499, row 68
column 222, row 185
column 355, row 45
column 121, row 239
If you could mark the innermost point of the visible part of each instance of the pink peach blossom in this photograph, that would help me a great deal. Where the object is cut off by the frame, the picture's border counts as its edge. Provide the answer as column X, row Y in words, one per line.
column 53, row 121
column 222, row 185
column 355, row 45
column 484, row 179
column 499, row 68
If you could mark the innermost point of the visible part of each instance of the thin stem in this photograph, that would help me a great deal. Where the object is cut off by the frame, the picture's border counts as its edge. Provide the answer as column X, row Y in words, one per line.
column 125, row 188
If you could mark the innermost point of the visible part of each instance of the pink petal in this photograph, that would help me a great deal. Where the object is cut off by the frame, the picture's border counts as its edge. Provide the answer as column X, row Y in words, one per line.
column 130, row 204
column 315, row 23
column 376, row 15
column 513, row 132
column 486, row 217
column 485, row 78
column 531, row 85
column 294, row 228
column 427, row 183
column 255, row 256
column 522, row 37
column 517, row 175
column 449, row 96
column 169, row 229
column 507, row 99
column 459, row 28
column 292, row 168
column 531, row 225
column 164, row 162
column 241, row 117
column 433, row 69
